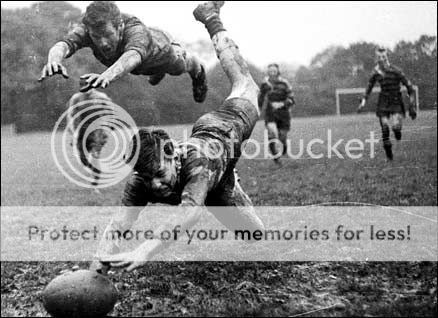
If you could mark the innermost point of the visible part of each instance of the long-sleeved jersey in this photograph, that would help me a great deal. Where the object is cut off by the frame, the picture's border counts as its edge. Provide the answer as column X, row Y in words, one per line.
column 153, row 45
column 280, row 99
column 278, row 90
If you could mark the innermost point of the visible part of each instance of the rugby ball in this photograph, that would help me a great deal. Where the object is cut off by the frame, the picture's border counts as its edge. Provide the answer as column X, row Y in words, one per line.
column 82, row 293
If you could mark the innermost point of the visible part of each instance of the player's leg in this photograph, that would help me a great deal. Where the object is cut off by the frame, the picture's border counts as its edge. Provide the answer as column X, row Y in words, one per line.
column 283, row 125
column 94, row 162
column 185, row 62
column 100, row 138
column 397, row 122
column 387, row 146
column 282, row 135
column 232, row 62
column 273, row 138
column 89, row 156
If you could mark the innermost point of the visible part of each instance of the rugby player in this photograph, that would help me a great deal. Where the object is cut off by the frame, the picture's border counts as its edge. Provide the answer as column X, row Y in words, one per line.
column 390, row 107
column 280, row 100
column 125, row 45
column 187, row 176
column 78, row 124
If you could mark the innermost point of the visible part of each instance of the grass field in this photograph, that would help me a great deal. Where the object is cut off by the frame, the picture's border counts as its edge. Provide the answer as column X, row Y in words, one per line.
column 29, row 177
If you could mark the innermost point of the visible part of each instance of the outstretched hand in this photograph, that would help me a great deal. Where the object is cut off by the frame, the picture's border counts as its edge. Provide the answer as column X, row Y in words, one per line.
column 361, row 105
column 51, row 69
column 100, row 267
column 128, row 261
column 93, row 81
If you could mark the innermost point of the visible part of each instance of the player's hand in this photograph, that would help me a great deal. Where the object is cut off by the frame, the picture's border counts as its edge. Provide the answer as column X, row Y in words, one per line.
column 53, row 68
column 361, row 105
column 290, row 102
column 129, row 260
column 89, row 81
column 412, row 112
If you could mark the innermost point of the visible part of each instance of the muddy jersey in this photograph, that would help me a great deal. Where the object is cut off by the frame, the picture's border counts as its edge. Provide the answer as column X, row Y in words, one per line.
column 153, row 45
column 279, row 97
column 208, row 157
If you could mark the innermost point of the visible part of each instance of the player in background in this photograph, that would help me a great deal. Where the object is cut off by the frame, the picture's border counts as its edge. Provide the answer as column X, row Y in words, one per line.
column 390, row 108
column 279, row 96
column 77, row 124
column 187, row 176
column 125, row 45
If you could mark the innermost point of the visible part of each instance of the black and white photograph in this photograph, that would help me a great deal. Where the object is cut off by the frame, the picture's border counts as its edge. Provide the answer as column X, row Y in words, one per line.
column 219, row 159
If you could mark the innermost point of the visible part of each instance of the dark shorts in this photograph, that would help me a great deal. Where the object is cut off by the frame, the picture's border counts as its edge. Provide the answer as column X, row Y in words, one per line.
column 389, row 104
column 173, row 63
column 231, row 124
column 281, row 117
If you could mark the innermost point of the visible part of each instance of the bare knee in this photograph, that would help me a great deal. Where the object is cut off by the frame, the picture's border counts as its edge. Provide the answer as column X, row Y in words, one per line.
column 246, row 88
column 397, row 122
column 272, row 130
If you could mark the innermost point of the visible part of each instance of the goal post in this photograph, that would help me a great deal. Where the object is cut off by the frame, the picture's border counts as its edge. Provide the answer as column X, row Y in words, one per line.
column 359, row 92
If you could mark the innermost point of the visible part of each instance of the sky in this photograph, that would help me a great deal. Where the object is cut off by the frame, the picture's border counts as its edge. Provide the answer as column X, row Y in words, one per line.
column 289, row 31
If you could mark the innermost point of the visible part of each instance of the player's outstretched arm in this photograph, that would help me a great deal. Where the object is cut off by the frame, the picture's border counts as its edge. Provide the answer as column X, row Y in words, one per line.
column 124, row 65
column 193, row 199
column 139, row 257
column 54, row 61
column 121, row 221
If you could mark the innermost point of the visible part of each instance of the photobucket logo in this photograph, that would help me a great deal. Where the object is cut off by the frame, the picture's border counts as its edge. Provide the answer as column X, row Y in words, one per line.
column 272, row 148
column 79, row 136
column 317, row 148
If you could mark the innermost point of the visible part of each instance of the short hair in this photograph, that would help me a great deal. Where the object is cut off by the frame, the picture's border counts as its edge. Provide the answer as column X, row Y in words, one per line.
column 274, row 65
column 381, row 49
column 98, row 13
column 152, row 144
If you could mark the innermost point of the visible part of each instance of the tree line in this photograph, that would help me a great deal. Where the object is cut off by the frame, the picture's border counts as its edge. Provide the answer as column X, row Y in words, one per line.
column 27, row 35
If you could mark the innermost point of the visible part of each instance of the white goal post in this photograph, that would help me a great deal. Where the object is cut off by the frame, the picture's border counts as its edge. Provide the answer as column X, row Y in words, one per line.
column 340, row 91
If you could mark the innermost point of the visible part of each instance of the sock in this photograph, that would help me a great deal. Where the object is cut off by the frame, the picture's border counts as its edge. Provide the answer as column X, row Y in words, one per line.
column 214, row 25
column 388, row 151
column 385, row 135
column 273, row 149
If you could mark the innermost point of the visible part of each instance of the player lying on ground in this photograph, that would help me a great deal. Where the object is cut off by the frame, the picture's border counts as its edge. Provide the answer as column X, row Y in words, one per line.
column 125, row 45
column 280, row 100
column 78, row 125
column 390, row 107
column 189, row 177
